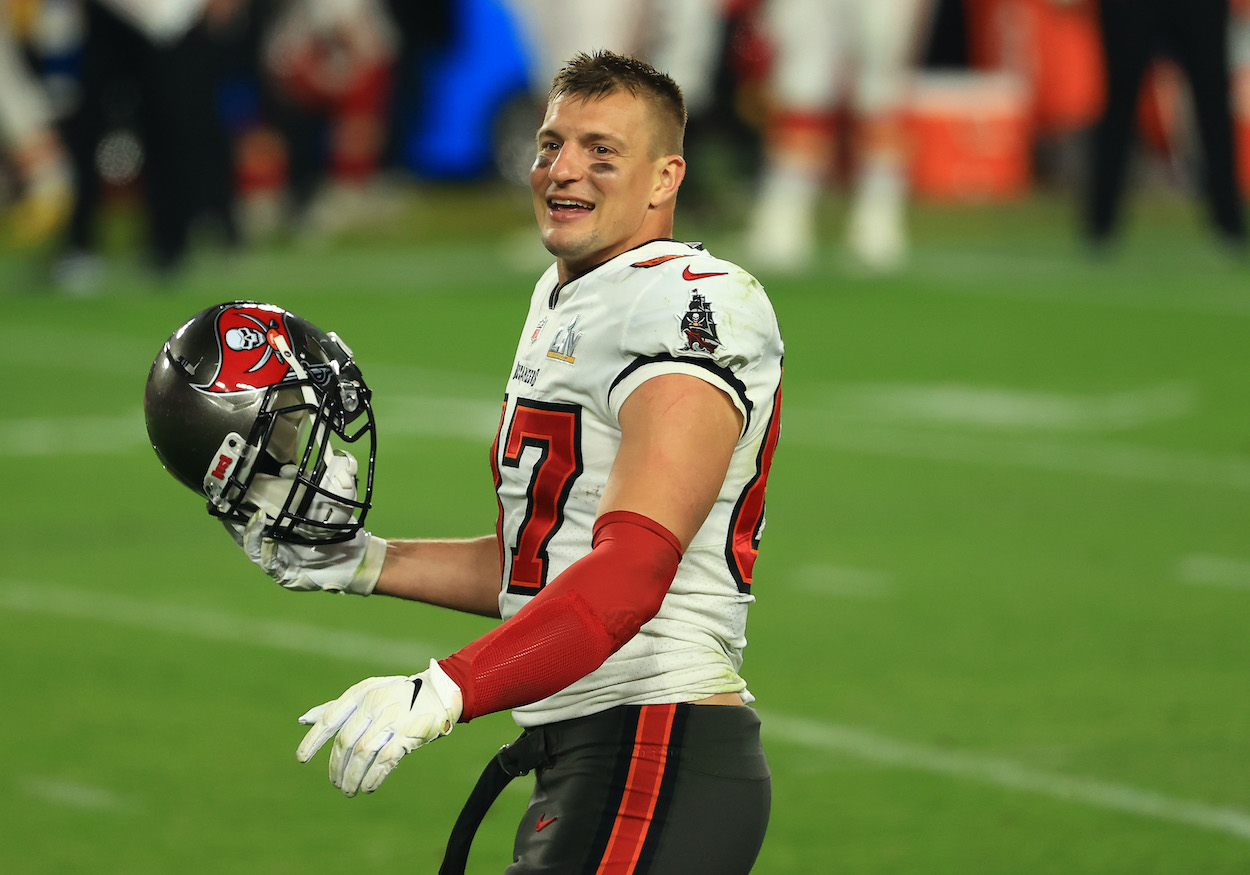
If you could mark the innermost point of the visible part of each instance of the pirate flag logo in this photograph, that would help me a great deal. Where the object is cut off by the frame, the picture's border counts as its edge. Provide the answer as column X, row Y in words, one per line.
column 699, row 326
column 248, row 360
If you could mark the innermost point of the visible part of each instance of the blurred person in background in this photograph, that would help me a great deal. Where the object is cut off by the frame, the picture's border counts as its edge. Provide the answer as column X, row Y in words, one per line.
column 147, row 109
column 31, row 144
column 682, row 37
column 1195, row 33
column 827, row 54
column 425, row 30
column 325, row 72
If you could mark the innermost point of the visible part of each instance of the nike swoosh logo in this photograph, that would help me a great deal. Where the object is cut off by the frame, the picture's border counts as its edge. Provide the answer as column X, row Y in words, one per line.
column 544, row 822
column 416, row 688
column 688, row 274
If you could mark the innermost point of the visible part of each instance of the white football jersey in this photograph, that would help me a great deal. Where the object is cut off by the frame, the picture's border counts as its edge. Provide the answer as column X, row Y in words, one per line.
column 662, row 308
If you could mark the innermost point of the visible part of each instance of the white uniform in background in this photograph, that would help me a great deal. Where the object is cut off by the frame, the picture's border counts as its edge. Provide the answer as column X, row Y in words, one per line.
column 664, row 307
column 29, row 140
column 25, row 110
column 835, row 51
column 679, row 37
column 163, row 22
column 832, row 53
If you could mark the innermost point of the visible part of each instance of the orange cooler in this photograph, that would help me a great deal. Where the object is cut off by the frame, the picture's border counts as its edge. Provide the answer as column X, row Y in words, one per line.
column 970, row 136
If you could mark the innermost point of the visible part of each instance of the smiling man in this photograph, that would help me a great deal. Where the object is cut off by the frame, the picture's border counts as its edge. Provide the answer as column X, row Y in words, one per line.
column 638, row 428
column 608, row 168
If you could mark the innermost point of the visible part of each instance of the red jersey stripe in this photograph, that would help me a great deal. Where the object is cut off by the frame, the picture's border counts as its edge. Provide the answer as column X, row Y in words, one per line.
column 660, row 259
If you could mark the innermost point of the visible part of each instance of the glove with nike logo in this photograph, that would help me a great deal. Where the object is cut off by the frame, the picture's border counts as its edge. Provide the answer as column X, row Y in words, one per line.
column 377, row 721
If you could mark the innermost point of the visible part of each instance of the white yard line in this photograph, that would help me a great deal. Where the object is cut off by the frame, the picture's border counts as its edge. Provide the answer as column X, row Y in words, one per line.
column 72, row 435
column 1218, row 571
column 839, row 581
column 71, row 794
column 809, row 427
column 953, row 263
column 476, row 420
column 822, row 737
column 210, row 625
column 1001, row 408
column 1111, row 796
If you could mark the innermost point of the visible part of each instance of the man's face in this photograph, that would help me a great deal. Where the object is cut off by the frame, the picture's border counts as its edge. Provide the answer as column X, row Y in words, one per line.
column 595, row 182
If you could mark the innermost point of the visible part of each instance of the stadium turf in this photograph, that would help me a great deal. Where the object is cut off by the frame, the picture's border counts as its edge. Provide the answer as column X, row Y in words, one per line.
column 1002, row 598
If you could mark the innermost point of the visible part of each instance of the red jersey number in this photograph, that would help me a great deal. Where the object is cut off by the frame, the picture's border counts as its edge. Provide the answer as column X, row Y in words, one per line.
column 554, row 432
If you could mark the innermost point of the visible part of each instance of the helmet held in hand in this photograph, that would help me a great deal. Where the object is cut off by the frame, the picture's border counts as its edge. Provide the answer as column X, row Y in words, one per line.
column 242, row 406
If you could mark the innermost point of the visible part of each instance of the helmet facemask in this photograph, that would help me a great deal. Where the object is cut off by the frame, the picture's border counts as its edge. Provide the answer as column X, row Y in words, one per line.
column 293, row 465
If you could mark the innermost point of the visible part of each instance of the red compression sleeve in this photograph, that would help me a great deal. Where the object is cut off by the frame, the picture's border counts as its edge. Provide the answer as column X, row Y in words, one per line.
column 575, row 623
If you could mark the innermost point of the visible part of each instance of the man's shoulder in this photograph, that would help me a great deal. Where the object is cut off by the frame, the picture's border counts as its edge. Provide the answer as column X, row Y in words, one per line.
column 680, row 297
column 669, row 270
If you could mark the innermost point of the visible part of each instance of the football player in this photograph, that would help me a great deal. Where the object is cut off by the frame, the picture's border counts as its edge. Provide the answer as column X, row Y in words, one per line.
column 30, row 144
column 827, row 52
column 639, row 423
column 684, row 40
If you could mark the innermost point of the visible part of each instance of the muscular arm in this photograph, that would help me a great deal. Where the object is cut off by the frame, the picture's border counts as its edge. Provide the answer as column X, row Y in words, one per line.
column 458, row 574
column 677, row 436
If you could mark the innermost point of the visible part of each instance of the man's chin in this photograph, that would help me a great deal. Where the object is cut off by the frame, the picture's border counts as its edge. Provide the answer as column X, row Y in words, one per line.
column 568, row 248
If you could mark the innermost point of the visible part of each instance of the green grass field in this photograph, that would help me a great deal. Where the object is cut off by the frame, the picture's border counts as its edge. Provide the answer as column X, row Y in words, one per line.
column 1003, row 598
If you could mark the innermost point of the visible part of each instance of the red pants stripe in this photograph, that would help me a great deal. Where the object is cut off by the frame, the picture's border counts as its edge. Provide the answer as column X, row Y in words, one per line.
column 636, row 812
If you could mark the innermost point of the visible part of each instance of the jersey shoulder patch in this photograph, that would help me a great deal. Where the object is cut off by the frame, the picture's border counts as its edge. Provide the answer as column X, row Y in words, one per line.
column 698, row 326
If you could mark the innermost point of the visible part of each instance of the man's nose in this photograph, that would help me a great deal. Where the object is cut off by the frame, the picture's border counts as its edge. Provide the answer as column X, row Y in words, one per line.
column 565, row 167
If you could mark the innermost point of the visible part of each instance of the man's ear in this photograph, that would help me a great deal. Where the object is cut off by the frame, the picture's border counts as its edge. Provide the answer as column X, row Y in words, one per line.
column 672, row 170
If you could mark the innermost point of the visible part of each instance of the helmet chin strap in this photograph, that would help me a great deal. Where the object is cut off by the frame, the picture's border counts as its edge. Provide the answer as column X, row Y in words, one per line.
column 278, row 343
column 282, row 348
column 269, row 493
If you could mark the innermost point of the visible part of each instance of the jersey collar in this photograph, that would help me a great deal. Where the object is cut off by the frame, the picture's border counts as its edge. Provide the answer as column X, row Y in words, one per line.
column 554, row 298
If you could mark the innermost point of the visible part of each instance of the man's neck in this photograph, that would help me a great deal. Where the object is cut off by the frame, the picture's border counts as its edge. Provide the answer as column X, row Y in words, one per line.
column 566, row 272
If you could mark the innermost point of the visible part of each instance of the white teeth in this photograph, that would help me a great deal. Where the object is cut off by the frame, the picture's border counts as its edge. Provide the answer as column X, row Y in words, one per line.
column 560, row 203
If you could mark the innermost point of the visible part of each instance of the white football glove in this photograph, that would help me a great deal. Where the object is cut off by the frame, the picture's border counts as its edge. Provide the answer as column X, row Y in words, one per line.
column 347, row 566
column 379, row 720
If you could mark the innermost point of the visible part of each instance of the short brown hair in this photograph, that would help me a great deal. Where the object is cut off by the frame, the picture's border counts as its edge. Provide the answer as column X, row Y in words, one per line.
column 592, row 76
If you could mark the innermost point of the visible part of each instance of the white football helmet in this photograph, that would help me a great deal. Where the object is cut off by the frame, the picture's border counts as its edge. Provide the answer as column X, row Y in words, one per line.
column 241, row 406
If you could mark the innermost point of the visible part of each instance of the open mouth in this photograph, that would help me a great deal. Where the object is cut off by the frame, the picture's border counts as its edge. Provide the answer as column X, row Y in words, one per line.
column 568, row 207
